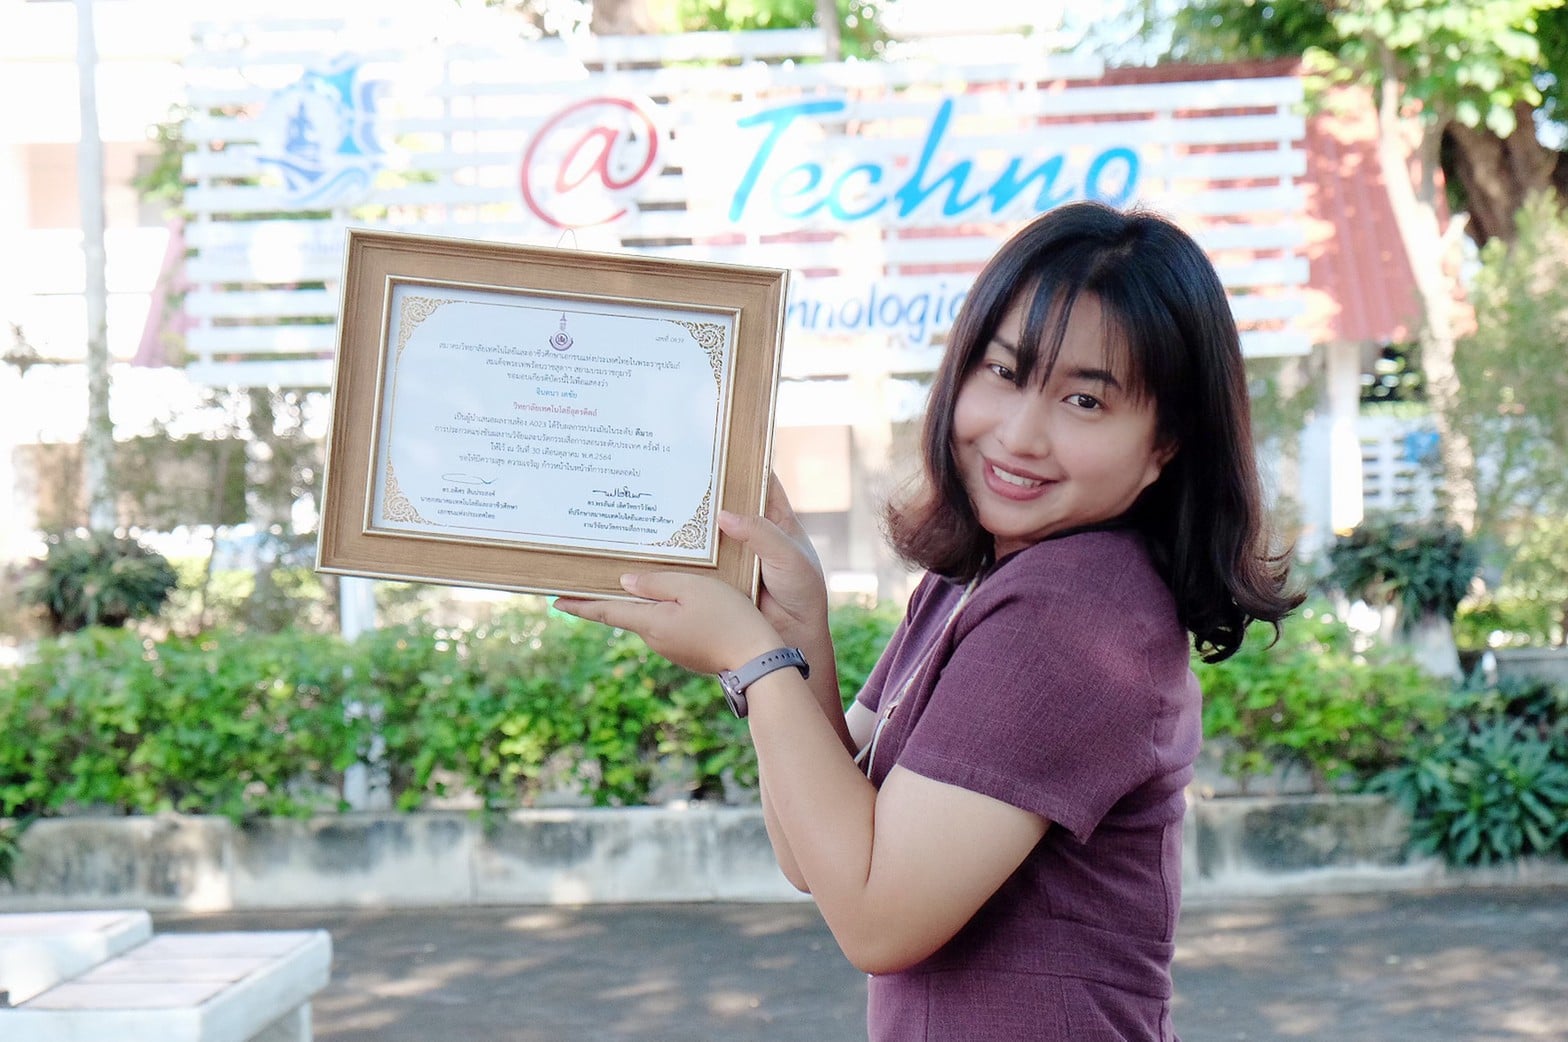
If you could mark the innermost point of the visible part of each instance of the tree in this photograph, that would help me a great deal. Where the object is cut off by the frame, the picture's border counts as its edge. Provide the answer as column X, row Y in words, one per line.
column 1513, row 406
column 1439, row 71
column 849, row 27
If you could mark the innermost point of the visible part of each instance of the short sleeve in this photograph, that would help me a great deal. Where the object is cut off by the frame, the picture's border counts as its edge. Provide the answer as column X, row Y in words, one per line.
column 1048, row 701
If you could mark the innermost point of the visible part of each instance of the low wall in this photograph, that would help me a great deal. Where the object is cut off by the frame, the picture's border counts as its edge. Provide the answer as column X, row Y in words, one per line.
column 681, row 853
column 1548, row 664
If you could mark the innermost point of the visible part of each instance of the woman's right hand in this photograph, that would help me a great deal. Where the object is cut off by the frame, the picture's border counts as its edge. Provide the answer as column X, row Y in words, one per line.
column 794, row 591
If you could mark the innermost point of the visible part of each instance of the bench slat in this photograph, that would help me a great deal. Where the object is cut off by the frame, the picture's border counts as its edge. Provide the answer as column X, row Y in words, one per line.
column 217, row 987
column 38, row 950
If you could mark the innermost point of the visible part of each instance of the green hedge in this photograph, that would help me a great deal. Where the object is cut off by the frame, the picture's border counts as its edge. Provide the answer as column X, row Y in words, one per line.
column 245, row 724
column 1312, row 702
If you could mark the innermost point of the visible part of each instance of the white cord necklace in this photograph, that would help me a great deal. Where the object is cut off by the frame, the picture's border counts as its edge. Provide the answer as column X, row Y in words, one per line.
column 868, row 752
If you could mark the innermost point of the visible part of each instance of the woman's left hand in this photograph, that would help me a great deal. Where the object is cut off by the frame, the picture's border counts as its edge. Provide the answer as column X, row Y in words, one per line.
column 700, row 623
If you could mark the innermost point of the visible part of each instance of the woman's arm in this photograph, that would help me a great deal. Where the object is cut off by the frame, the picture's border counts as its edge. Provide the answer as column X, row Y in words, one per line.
column 896, row 873
column 794, row 597
column 794, row 600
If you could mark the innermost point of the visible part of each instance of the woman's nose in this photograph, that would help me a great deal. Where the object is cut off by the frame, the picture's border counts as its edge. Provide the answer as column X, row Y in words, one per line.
column 1025, row 429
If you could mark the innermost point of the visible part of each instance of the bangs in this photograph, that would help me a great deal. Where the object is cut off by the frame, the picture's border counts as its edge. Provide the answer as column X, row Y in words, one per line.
column 1049, row 307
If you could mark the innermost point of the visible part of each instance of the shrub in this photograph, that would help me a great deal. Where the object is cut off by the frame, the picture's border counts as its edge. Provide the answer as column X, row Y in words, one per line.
column 103, row 720
column 240, row 723
column 859, row 635
column 1422, row 567
column 1312, row 702
column 1490, row 784
column 99, row 579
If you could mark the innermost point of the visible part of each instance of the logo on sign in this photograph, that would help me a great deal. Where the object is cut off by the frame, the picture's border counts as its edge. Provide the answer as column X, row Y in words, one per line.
column 583, row 165
column 320, row 134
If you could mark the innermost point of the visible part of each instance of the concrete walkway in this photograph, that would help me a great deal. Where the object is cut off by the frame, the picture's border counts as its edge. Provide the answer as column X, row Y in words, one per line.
column 1449, row 966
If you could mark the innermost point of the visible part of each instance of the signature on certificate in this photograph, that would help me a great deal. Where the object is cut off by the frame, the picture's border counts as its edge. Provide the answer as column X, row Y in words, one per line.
column 467, row 479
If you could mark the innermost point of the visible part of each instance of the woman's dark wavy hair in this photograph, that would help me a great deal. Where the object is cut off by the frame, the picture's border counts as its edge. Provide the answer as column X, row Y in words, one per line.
column 1203, row 517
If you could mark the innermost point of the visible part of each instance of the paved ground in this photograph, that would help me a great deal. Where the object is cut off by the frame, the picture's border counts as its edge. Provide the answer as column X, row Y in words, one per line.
column 1454, row 966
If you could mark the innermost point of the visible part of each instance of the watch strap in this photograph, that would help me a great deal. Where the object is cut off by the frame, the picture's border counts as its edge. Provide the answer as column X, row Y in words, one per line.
column 736, row 681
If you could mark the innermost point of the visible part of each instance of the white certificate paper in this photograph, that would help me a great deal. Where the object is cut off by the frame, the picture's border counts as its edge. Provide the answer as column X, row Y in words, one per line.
column 586, row 425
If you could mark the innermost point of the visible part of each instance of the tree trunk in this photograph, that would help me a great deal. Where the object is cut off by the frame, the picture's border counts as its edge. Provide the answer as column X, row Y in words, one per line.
column 1497, row 173
column 98, row 446
column 827, row 21
column 1420, row 230
column 622, row 18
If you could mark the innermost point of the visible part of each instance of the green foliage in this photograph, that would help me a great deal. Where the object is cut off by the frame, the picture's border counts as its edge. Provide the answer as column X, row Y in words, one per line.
column 1513, row 406
column 99, row 579
column 239, row 723
column 859, row 635
column 1466, row 61
column 860, row 32
column 1507, row 621
column 1312, row 702
column 1490, row 784
column 219, row 724
column 1421, row 567
column 164, row 181
column 1512, row 403
column 1229, row 30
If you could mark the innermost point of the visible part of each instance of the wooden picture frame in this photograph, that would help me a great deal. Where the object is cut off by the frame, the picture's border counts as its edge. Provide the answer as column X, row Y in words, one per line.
column 545, row 420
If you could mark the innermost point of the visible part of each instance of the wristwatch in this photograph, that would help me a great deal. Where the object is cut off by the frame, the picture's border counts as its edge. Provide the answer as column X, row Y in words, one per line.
column 736, row 681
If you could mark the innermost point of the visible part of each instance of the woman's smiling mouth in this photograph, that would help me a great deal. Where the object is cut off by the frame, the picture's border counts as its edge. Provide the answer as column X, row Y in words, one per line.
column 1012, row 484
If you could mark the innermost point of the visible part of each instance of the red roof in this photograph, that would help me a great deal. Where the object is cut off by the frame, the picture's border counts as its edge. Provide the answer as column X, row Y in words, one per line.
column 1360, row 287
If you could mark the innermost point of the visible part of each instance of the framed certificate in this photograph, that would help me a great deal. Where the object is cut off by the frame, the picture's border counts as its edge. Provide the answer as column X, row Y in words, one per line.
column 544, row 420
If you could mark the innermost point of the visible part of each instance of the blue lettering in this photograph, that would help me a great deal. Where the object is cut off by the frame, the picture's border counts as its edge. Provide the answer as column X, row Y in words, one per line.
column 1008, row 185
column 873, row 174
column 1097, row 169
column 779, row 120
column 887, row 319
column 782, row 192
column 912, row 194
column 798, row 313
column 954, row 304
column 916, row 318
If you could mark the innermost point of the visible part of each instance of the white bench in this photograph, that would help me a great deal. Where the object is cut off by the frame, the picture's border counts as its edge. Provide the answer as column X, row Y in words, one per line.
column 194, row 987
column 40, row 949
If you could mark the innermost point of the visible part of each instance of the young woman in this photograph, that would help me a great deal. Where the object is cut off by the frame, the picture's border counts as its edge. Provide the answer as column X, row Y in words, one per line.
column 993, row 830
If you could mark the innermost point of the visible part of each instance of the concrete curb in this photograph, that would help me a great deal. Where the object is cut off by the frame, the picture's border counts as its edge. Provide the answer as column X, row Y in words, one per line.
column 1234, row 846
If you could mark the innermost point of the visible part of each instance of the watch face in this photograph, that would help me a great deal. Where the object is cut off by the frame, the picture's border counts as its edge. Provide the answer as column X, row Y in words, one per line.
column 736, row 699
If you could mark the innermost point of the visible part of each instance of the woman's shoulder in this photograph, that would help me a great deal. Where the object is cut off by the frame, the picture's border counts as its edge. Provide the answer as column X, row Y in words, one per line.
column 1093, row 601
column 1107, row 565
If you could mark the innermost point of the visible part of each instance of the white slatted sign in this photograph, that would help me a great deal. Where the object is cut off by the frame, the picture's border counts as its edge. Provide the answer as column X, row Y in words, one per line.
column 883, row 186
column 1401, row 474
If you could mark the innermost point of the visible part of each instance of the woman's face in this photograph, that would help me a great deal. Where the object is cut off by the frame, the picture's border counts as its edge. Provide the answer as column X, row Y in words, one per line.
column 1037, row 460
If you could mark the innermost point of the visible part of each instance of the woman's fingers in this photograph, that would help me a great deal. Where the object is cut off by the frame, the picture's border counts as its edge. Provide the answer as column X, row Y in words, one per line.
column 779, row 510
column 765, row 538
column 701, row 623
column 626, row 615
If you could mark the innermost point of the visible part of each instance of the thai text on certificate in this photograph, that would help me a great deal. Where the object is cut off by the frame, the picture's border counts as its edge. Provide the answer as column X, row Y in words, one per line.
column 565, row 423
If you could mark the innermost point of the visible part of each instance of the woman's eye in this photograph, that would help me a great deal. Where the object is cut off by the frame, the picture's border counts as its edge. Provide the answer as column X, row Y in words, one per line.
column 1085, row 401
column 1001, row 370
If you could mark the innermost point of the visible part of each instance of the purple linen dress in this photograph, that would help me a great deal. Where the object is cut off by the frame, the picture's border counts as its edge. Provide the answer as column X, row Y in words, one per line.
column 1063, row 687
